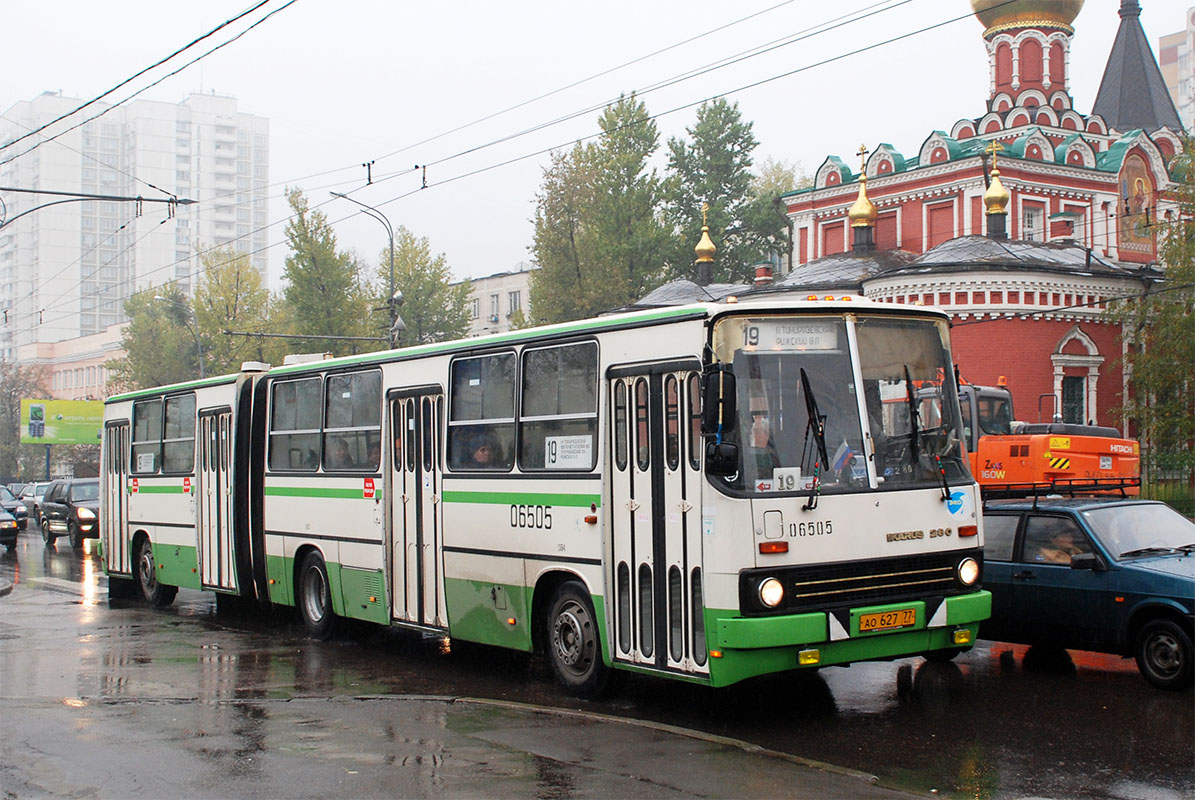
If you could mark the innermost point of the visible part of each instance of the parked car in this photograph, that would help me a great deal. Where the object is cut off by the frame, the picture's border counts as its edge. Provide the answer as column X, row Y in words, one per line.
column 13, row 505
column 31, row 496
column 16, row 488
column 1111, row 575
column 71, row 508
column 8, row 530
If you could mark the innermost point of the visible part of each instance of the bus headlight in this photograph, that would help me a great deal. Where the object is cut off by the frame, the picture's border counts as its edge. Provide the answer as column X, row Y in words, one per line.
column 771, row 592
column 967, row 571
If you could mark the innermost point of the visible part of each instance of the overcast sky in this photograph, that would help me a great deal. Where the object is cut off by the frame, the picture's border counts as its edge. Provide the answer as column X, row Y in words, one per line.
column 351, row 81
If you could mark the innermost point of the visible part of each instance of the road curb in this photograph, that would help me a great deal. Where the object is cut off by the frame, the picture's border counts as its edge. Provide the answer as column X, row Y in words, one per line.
column 5, row 588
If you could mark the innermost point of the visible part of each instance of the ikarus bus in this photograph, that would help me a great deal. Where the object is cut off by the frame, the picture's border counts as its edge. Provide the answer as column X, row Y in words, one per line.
column 709, row 492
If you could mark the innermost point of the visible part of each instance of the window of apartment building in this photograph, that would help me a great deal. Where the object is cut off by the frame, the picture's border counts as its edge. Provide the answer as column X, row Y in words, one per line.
column 242, row 183
column 259, row 171
column 493, row 308
column 88, row 141
column 107, row 143
column 475, row 308
column 180, row 175
column 514, row 301
column 88, row 222
column 108, row 159
column 185, row 144
column 242, row 167
column 181, row 126
column 259, row 155
column 242, row 151
column 259, row 139
column 89, row 174
column 108, row 129
column 107, row 208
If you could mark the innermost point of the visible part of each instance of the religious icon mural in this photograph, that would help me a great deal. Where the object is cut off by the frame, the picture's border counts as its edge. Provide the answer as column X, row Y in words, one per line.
column 1137, row 211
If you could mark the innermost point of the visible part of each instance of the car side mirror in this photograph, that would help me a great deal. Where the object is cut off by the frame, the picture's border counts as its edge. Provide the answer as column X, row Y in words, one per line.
column 1087, row 561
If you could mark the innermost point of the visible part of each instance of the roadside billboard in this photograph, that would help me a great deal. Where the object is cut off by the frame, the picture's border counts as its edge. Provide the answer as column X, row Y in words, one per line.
column 61, row 421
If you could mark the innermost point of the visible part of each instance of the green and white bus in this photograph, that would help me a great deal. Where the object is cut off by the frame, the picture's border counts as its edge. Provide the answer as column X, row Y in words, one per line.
column 708, row 492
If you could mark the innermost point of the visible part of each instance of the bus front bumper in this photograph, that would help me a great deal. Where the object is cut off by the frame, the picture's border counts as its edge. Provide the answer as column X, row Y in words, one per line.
column 743, row 647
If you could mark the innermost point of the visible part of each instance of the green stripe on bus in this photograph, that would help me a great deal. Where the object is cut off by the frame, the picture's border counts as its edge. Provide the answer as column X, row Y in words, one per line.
column 305, row 491
column 526, row 498
column 156, row 490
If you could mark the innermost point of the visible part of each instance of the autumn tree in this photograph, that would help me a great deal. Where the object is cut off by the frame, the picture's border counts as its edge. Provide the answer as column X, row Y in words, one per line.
column 159, row 342
column 233, row 297
column 1160, row 326
column 434, row 307
column 19, row 383
column 325, row 294
column 599, row 240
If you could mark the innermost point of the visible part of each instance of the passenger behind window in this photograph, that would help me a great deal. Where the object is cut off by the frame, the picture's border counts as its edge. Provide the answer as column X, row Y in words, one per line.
column 340, row 457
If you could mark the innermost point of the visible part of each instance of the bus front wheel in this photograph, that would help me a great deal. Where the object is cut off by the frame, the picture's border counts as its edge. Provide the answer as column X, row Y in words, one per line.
column 572, row 644
column 155, row 592
column 315, row 597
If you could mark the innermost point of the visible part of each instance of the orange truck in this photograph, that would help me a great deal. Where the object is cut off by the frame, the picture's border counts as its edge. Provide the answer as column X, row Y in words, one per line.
column 1006, row 454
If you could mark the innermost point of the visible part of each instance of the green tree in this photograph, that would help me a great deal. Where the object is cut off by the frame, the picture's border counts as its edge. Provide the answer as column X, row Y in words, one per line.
column 714, row 167
column 233, row 297
column 1161, row 356
column 434, row 309
column 324, row 294
column 564, row 240
column 19, row 383
column 159, row 341
column 599, row 240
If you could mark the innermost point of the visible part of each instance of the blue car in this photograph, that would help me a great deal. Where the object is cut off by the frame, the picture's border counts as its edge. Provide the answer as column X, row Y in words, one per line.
column 1112, row 575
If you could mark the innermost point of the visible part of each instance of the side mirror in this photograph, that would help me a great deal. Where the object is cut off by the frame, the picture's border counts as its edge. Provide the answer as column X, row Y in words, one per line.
column 1087, row 561
column 717, row 401
column 721, row 458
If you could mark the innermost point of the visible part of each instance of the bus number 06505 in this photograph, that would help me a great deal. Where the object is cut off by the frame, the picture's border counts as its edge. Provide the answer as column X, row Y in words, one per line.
column 531, row 517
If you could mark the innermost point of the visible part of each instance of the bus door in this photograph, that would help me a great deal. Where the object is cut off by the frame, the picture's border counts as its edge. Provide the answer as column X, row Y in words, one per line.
column 655, row 517
column 114, row 525
column 416, row 529
column 213, row 494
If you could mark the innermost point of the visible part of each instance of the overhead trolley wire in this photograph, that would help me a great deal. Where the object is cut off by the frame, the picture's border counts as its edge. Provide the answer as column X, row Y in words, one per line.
column 150, row 86
column 134, row 76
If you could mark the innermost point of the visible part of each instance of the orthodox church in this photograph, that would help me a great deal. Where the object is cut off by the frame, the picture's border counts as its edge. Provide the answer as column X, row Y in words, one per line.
column 1022, row 223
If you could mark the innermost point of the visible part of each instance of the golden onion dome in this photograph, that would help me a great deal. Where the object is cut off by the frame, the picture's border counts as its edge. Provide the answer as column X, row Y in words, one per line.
column 1002, row 15
column 863, row 211
column 705, row 248
column 996, row 198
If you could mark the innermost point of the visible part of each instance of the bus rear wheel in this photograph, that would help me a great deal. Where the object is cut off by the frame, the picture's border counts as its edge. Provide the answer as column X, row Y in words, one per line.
column 155, row 592
column 315, row 597
column 572, row 644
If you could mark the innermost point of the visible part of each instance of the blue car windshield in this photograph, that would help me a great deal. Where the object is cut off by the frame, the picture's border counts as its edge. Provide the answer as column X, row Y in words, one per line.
column 1140, row 529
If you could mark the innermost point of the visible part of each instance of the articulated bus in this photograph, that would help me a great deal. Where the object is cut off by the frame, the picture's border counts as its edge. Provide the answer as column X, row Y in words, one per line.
column 708, row 492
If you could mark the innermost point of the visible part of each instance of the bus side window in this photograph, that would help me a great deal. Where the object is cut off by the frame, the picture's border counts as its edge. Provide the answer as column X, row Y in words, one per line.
column 352, row 421
column 295, row 424
column 147, row 436
column 481, row 411
column 558, row 415
column 695, row 439
column 178, row 444
column 620, row 425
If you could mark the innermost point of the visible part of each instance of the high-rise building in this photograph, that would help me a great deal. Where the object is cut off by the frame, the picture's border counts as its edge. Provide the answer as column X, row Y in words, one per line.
column 67, row 268
column 1176, row 57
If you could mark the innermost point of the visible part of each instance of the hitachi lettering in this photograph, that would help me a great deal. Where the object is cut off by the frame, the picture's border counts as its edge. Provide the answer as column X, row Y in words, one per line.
column 905, row 536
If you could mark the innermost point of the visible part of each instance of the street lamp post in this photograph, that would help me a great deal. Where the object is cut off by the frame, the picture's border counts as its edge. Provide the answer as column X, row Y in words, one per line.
column 393, row 299
column 187, row 320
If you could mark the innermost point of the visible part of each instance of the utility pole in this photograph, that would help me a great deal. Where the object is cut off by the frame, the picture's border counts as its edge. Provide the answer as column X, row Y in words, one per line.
column 394, row 300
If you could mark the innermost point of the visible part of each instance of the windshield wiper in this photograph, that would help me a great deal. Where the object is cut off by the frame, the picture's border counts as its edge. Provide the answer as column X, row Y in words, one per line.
column 915, row 437
column 816, row 424
column 1148, row 551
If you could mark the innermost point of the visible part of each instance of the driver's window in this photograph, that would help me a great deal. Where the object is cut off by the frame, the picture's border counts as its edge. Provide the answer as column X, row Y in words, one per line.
column 1053, row 540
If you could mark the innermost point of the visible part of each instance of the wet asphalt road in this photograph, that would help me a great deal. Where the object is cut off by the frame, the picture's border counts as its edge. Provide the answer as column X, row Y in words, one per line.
column 1000, row 721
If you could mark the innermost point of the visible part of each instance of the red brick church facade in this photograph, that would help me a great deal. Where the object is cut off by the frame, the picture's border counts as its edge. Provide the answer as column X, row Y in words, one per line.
column 1084, row 196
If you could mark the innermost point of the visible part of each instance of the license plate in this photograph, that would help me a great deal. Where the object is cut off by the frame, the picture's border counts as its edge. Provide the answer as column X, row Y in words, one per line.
column 887, row 620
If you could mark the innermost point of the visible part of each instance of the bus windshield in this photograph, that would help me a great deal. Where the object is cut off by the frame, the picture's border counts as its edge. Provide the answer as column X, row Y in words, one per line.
column 802, row 422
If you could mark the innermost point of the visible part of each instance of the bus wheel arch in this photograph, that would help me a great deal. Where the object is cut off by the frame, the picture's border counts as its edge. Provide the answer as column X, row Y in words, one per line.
column 569, row 633
column 313, row 593
column 154, row 592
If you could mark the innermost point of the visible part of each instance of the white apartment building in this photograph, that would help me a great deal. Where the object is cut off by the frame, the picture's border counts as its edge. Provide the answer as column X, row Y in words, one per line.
column 1176, row 58
column 66, row 269
column 494, row 299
